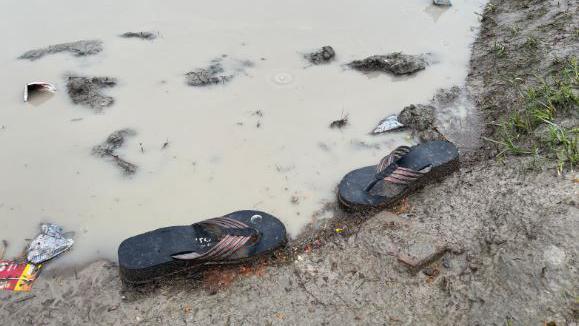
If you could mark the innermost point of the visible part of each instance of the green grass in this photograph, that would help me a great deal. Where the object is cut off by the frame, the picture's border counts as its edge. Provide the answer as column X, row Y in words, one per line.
column 541, row 105
column 499, row 49
column 531, row 43
column 490, row 8
column 514, row 29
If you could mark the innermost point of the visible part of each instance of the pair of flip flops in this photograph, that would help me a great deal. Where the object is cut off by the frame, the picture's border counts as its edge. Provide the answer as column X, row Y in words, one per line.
column 242, row 235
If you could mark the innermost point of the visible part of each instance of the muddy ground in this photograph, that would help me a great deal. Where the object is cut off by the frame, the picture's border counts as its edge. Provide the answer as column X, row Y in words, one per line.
column 494, row 244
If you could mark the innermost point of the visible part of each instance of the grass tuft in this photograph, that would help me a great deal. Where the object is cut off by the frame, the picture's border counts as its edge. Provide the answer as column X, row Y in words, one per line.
column 531, row 43
column 543, row 105
column 499, row 49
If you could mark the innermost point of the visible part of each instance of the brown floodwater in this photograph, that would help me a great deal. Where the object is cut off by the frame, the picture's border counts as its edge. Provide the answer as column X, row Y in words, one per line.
column 222, row 155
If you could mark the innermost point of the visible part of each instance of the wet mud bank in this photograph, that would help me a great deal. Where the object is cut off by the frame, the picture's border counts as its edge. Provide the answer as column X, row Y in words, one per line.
column 494, row 244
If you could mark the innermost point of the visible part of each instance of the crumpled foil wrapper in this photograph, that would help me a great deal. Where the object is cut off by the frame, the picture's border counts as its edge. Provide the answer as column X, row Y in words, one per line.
column 48, row 244
column 389, row 123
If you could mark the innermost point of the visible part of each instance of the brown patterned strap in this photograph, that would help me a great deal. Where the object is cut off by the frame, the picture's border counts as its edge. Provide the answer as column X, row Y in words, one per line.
column 404, row 176
column 239, row 235
column 389, row 171
column 394, row 156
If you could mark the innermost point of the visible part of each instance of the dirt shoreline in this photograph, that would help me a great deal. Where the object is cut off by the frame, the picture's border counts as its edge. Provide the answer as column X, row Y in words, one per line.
column 494, row 244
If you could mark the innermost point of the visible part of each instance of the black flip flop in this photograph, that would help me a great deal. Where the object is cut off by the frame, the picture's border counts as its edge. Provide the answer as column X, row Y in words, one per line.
column 233, row 238
column 401, row 172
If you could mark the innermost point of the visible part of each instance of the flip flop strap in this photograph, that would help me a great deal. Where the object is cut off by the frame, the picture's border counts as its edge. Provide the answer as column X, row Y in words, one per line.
column 237, row 235
column 389, row 171
column 403, row 176
column 394, row 156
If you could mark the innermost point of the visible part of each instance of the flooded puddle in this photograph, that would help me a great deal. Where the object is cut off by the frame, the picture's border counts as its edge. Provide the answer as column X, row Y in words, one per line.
column 259, row 141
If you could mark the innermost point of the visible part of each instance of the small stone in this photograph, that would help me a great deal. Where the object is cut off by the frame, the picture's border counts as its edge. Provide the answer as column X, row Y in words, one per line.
column 554, row 256
column 446, row 262
column 429, row 271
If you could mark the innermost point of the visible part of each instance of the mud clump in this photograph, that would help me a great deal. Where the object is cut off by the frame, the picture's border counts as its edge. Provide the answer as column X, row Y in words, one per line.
column 420, row 118
column 324, row 55
column 78, row 49
column 219, row 71
column 140, row 35
column 87, row 91
column 396, row 63
column 212, row 75
column 445, row 97
column 108, row 149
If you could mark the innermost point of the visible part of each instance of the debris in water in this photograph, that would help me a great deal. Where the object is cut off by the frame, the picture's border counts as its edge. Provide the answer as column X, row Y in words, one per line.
column 442, row 3
column 112, row 143
column 165, row 144
column 212, row 75
column 87, row 91
column 141, row 35
column 387, row 124
column 37, row 86
column 396, row 63
column 323, row 55
column 48, row 244
column 78, row 48
column 220, row 71
column 295, row 200
column 340, row 123
column 17, row 276
column 3, row 247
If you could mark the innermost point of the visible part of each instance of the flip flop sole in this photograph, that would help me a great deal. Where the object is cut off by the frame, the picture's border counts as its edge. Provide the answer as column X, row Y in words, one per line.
column 352, row 196
column 148, row 256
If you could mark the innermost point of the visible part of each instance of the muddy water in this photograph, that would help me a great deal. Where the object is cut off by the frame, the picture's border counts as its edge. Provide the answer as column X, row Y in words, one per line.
column 222, row 155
